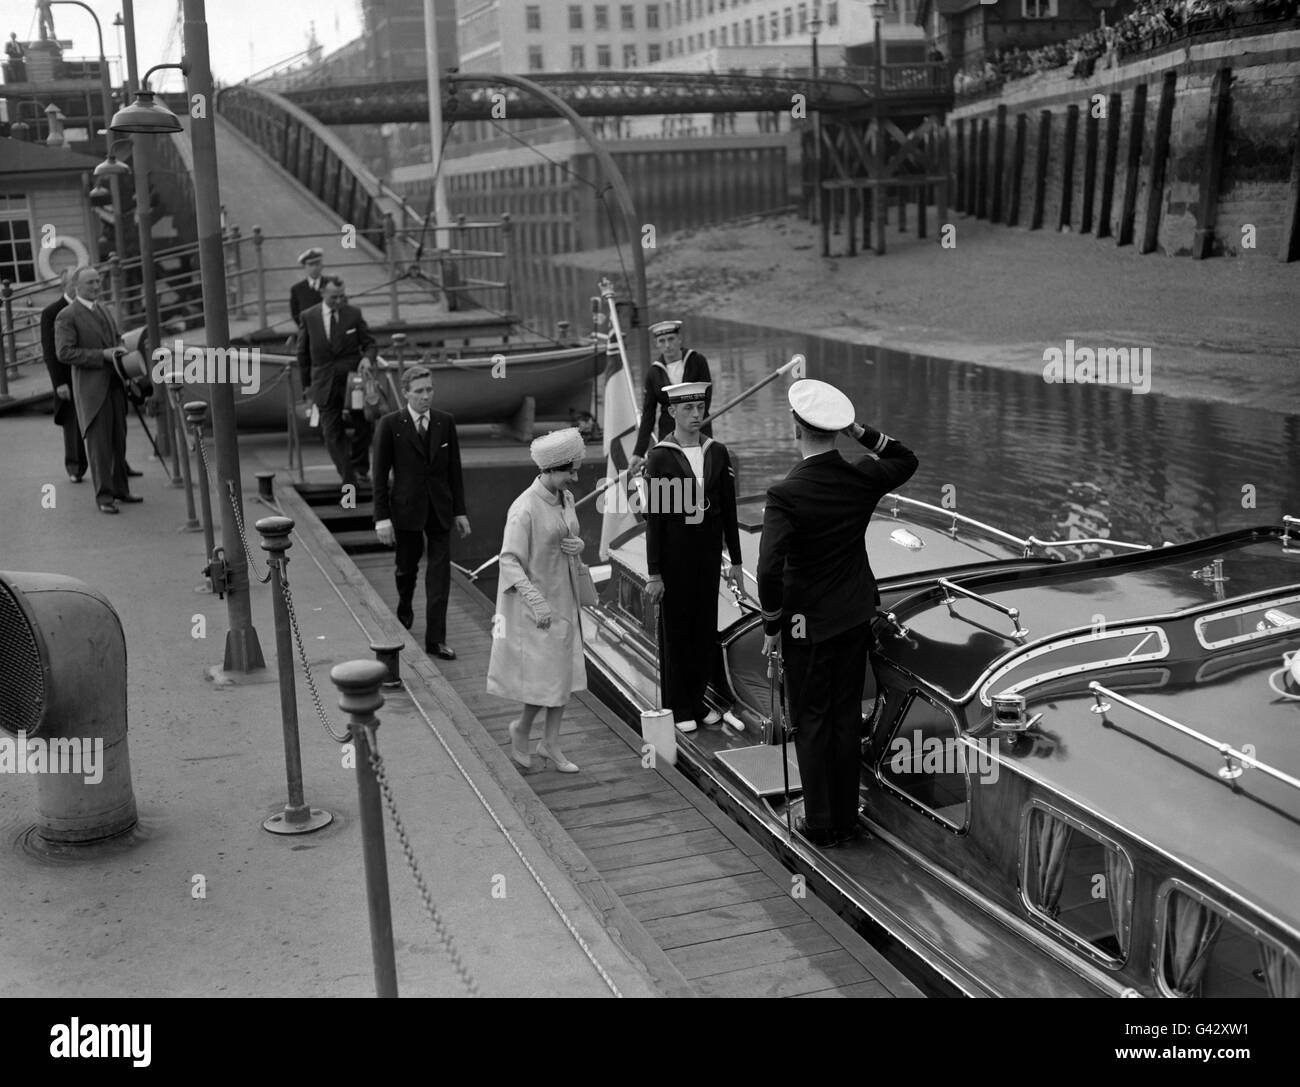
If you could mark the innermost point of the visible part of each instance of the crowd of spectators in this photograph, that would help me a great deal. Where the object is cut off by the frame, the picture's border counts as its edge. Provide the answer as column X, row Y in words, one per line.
column 1150, row 23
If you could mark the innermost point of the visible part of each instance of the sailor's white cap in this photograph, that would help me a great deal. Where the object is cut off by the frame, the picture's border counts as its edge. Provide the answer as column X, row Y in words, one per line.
column 820, row 406
column 687, row 391
column 310, row 254
column 660, row 328
column 559, row 449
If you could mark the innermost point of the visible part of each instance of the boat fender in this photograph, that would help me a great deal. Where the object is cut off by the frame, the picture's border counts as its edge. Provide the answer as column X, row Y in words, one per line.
column 61, row 241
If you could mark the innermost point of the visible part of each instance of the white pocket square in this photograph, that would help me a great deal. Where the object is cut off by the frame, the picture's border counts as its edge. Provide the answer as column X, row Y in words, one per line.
column 350, row 332
column 444, row 445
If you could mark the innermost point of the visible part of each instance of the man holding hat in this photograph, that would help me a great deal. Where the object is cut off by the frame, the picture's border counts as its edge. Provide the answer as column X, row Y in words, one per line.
column 672, row 367
column 691, row 510
column 819, row 595
column 86, row 339
column 306, row 292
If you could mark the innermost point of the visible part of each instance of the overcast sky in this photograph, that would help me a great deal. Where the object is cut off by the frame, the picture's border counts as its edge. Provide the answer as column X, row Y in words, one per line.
column 244, row 35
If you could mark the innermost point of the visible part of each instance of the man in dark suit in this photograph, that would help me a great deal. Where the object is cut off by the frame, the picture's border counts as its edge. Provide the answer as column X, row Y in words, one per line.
column 819, row 595
column 86, row 339
column 332, row 341
column 306, row 292
column 418, row 445
column 65, row 411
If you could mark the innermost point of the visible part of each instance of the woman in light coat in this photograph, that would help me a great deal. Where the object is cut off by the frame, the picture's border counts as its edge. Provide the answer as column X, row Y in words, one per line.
column 537, row 630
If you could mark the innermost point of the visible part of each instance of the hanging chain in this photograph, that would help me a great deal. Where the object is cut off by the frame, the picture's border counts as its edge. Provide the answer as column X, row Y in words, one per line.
column 439, row 926
column 239, row 524
column 302, row 657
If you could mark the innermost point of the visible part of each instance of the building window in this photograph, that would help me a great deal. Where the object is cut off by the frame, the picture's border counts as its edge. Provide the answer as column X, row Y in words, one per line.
column 787, row 22
column 575, row 16
column 629, row 56
column 762, row 29
column 722, row 34
column 577, row 58
column 833, row 12
column 710, row 7
column 533, row 17
column 1040, row 9
column 654, row 53
column 652, row 16
column 749, row 31
column 627, row 17
column 803, row 18
column 677, row 7
column 604, row 57
column 774, row 26
column 601, row 19
column 17, row 260
column 535, row 58
column 1079, row 882
column 713, row 38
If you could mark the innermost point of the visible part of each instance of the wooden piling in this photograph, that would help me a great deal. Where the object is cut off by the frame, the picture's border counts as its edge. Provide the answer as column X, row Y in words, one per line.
column 1159, row 159
column 1040, row 168
column 1114, row 106
column 1132, row 173
column 1216, row 139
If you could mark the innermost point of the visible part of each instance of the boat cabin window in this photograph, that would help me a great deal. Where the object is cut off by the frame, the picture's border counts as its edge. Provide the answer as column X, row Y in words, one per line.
column 1068, row 656
column 1204, row 950
column 1077, row 882
column 1258, row 620
column 628, row 597
column 927, row 762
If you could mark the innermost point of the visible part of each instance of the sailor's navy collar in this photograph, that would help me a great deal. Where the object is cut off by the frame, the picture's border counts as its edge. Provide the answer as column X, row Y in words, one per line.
column 705, row 442
column 686, row 355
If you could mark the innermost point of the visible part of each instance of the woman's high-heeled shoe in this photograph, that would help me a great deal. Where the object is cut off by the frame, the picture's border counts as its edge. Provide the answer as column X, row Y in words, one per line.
column 563, row 765
column 523, row 761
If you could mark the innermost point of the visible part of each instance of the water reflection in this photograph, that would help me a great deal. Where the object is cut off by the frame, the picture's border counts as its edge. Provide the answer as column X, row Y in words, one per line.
column 1052, row 460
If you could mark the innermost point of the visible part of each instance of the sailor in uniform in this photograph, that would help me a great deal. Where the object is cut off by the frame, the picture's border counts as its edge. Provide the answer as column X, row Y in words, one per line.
column 672, row 367
column 819, row 596
column 691, row 511
column 306, row 292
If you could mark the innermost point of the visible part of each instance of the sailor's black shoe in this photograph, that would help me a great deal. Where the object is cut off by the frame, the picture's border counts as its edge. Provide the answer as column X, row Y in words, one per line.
column 823, row 839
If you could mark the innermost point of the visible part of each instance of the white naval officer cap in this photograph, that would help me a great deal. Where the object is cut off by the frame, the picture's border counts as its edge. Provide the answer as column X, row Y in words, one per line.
column 559, row 449
column 310, row 254
column 687, row 391
column 820, row 406
column 662, row 328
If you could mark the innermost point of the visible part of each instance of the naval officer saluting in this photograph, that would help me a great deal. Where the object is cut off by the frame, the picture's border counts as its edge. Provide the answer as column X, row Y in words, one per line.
column 818, row 596
column 672, row 367
column 692, row 509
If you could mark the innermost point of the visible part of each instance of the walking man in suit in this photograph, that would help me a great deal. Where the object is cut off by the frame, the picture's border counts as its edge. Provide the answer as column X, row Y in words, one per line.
column 818, row 596
column 306, row 292
column 86, row 339
column 332, row 341
column 65, row 411
column 418, row 445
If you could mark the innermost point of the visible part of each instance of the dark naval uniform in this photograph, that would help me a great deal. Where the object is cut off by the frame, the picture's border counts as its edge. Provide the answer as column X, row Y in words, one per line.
column 816, row 588
column 695, row 368
column 688, row 556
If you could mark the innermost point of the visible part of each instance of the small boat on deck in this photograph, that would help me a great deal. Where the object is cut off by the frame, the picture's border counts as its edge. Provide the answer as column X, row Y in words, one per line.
column 1078, row 775
column 482, row 386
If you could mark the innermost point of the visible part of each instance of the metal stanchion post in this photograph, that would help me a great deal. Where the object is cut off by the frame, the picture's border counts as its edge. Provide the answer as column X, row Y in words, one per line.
column 179, row 442
column 386, row 653
column 261, row 277
column 358, row 683
column 297, row 817
column 196, row 414
column 266, row 486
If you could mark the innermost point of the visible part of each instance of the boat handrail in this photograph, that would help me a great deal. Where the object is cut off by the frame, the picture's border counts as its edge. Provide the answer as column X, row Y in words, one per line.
column 1234, row 760
column 1018, row 635
column 956, row 517
column 1090, row 540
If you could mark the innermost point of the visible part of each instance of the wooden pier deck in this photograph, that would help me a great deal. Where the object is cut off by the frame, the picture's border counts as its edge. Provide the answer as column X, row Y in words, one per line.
column 719, row 906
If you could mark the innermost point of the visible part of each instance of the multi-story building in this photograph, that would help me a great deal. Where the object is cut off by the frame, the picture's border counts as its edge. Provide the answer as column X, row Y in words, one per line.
column 966, row 30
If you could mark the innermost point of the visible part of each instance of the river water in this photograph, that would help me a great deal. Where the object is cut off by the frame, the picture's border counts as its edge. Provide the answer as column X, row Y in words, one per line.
column 1030, row 457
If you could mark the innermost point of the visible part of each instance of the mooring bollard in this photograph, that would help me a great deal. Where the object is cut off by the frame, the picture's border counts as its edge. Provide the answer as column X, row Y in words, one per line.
column 266, row 486
column 297, row 817
column 358, row 683
column 386, row 653
column 196, row 413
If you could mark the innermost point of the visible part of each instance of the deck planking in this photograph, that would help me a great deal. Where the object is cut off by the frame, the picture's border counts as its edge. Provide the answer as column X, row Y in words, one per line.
column 705, row 892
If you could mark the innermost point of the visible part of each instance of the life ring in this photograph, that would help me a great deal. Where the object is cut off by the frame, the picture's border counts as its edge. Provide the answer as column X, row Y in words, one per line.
column 61, row 241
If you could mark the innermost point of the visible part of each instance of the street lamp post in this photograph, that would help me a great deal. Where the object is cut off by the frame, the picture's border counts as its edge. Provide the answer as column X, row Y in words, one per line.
column 106, row 91
column 144, row 225
column 243, row 651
